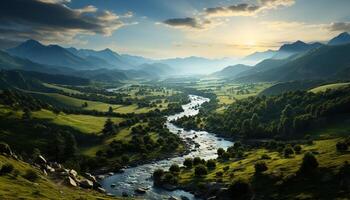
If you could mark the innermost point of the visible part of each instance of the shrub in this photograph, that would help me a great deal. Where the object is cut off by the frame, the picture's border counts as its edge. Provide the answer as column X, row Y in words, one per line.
column 226, row 168
column 200, row 170
column 174, row 168
column 309, row 163
column 6, row 168
column 31, row 175
column 265, row 157
column 211, row 164
column 157, row 176
column 241, row 190
column 188, row 163
column 220, row 151
column 342, row 146
column 226, row 156
column 288, row 151
column 219, row 174
column 260, row 167
column 170, row 179
column 197, row 161
column 297, row 149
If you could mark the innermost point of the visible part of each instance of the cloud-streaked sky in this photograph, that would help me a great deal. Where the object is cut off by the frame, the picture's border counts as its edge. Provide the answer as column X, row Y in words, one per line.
column 165, row 28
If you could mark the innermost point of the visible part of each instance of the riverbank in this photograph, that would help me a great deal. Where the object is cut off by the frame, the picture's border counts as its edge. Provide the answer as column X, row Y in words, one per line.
column 199, row 143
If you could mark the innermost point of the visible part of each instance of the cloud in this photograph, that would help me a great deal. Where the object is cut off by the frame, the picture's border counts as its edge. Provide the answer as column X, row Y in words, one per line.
column 340, row 26
column 210, row 16
column 188, row 22
column 245, row 9
column 233, row 10
column 53, row 20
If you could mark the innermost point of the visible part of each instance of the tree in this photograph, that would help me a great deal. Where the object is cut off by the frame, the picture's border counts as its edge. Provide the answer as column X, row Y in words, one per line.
column 108, row 128
column 71, row 149
column 27, row 114
column 220, row 151
column 211, row 164
column 260, row 167
column 200, row 170
column 309, row 164
column 297, row 149
column 157, row 176
column 188, row 163
column 288, row 151
column 110, row 110
column 241, row 190
column 56, row 147
column 174, row 168
column 197, row 161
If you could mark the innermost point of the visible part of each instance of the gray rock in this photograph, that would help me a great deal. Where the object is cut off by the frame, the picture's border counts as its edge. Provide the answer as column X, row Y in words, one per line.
column 140, row 190
column 90, row 177
column 73, row 173
column 40, row 160
column 71, row 182
column 50, row 169
column 99, row 189
column 173, row 198
column 86, row 183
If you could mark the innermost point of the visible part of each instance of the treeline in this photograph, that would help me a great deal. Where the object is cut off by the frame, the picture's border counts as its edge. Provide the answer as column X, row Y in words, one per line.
column 284, row 116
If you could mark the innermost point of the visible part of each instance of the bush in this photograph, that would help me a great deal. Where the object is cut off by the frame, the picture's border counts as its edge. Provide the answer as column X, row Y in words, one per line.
column 6, row 169
column 297, row 149
column 31, row 175
column 260, row 167
column 200, row 170
column 309, row 164
column 219, row 174
column 188, row 163
column 226, row 168
column 226, row 156
column 241, row 190
column 265, row 157
column 220, row 152
column 174, row 168
column 211, row 164
column 342, row 146
column 197, row 161
column 157, row 176
column 170, row 179
column 288, row 151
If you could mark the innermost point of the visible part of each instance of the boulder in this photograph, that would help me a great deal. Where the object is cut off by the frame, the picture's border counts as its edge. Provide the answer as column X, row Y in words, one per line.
column 124, row 194
column 173, row 198
column 99, row 189
column 73, row 173
column 5, row 149
column 56, row 165
column 90, row 177
column 50, row 169
column 86, row 183
column 140, row 191
column 71, row 182
column 40, row 160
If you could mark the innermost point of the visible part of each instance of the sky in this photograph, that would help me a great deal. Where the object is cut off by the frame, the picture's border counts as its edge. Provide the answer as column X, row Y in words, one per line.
column 173, row 28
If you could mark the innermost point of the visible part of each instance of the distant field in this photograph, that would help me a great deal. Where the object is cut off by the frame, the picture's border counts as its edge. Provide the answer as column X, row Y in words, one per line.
column 84, row 123
column 62, row 88
column 329, row 86
column 95, row 105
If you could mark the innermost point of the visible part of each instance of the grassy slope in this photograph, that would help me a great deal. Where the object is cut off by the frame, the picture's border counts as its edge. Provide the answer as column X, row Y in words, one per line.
column 45, row 188
column 326, row 154
column 95, row 105
column 329, row 86
column 84, row 123
column 61, row 88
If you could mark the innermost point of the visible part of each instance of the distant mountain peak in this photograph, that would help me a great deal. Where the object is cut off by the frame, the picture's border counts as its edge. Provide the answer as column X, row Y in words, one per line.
column 32, row 43
column 342, row 38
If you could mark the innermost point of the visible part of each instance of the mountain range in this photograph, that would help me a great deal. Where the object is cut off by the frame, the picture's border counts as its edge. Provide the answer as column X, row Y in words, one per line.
column 290, row 49
column 305, row 61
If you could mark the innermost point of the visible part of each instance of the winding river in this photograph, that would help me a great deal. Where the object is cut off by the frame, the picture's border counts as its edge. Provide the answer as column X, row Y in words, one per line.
column 140, row 176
